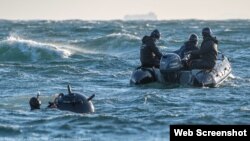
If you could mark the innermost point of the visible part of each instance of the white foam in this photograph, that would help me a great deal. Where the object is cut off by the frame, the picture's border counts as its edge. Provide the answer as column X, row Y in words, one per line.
column 228, row 29
column 245, row 108
column 195, row 27
column 32, row 46
column 130, row 36
column 231, row 76
column 78, row 50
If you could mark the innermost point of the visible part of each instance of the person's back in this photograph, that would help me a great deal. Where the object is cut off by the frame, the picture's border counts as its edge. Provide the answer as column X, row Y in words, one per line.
column 190, row 45
column 149, row 54
column 208, row 51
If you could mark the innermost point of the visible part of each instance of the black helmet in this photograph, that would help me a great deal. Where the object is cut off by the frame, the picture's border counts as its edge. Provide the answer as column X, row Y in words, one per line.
column 155, row 34
column 193, row 37
column 206, row 31
column 34, row 103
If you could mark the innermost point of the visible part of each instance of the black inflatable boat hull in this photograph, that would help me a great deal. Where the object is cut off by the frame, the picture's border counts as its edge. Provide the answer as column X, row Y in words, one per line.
column 143, row 76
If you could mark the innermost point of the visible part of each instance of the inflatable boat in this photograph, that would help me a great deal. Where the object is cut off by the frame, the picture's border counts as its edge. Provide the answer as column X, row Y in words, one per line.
column 171, row 71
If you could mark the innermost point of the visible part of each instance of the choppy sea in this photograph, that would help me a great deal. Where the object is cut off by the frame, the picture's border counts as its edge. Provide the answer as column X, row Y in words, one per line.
column 98, row 57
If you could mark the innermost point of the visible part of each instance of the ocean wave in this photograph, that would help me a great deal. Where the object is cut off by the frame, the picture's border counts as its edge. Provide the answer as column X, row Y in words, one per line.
column 245, row 108
column 114, row 42
column 9, row 130
column 14, row 48
column 124, row 35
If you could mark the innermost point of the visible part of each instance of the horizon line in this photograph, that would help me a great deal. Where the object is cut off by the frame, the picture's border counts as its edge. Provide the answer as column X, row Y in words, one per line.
column 69, row 19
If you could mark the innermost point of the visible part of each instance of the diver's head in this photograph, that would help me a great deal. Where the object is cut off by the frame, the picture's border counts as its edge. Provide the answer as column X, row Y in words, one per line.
column 35, row 103
column 155, row 34
column 206, row 32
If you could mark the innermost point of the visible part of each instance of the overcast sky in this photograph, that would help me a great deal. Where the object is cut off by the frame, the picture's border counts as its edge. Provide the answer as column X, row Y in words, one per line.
column 117, row 9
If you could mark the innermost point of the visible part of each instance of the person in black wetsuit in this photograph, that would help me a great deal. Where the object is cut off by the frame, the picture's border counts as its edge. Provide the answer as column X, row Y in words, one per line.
column 149, row 53
column 190, row 45
column 208, row 52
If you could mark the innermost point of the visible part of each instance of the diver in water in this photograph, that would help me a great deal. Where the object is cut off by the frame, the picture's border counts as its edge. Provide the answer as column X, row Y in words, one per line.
column 71, row 102
column 149, row 53
column 35, row 102
column 208, row 52
column 190, row 45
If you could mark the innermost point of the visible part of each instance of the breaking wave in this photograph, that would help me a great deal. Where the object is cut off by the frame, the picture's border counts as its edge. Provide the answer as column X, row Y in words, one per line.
column 15, row 48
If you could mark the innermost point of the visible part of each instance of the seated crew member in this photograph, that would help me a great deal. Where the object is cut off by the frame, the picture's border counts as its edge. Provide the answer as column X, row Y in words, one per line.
column 149, row 53
column 208, row 52
column 190, row 45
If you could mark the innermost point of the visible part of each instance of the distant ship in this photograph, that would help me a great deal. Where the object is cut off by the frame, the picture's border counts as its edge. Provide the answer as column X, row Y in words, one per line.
column 150, row 16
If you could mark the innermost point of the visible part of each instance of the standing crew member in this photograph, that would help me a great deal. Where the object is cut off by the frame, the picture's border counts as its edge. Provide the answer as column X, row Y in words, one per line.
column 149, row 53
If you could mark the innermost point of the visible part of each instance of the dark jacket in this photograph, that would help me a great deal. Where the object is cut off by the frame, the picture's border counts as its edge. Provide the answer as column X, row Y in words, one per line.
column 187, row 47
column 149, row 54
column 208, row 51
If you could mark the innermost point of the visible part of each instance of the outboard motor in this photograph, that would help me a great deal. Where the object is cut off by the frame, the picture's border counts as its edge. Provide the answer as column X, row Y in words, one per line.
column 170, row 64
column 74, row 102
column 142, row 76
column 35, row 103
